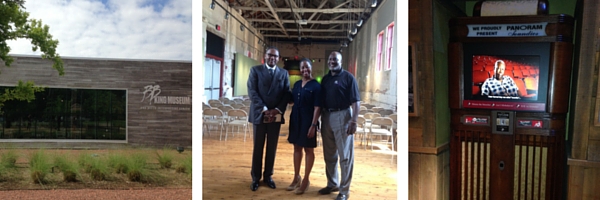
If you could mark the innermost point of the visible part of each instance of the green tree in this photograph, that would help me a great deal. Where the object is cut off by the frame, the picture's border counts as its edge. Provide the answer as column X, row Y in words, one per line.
column 14, row 24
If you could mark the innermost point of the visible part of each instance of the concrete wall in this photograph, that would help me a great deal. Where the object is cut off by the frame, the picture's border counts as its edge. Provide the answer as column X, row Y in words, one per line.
column 153, row 124
column 377, row 88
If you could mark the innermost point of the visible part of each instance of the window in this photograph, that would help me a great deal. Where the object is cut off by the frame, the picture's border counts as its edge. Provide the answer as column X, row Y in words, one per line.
column 379, row 50
column 61, row 113
column 390, row 45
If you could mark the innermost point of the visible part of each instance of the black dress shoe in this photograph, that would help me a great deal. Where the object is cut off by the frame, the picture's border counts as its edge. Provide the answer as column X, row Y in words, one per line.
column 270, row 182
column 328, row 190
column 254, row 185
column 342, row 197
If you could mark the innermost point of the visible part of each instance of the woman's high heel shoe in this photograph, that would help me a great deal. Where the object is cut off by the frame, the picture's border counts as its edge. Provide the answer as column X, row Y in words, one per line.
column 292, row 186
column 298, row 191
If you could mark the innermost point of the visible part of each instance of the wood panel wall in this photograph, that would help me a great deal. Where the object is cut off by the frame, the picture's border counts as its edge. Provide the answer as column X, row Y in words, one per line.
column 422, row 127
column 147, row 124
column 584, row 160
column 428, row 162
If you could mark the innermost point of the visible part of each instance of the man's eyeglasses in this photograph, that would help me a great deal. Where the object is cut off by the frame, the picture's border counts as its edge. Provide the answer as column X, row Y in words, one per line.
column 273, row 55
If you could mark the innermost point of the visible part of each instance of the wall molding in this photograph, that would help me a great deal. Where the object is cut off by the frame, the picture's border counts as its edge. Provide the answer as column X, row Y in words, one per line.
column 429, row 150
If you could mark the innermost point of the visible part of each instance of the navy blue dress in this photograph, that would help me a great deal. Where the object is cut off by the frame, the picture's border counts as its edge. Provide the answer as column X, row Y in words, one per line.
column 305, row 99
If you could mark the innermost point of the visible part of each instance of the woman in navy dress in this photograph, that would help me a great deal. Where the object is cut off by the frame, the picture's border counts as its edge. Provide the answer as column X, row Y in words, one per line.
column 304, row 124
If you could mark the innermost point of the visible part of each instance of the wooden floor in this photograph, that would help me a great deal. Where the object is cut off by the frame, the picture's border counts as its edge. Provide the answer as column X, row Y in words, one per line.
column 226, row 171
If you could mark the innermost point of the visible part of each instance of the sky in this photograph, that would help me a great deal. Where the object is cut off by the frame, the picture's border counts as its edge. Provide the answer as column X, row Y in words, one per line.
column 129, row 29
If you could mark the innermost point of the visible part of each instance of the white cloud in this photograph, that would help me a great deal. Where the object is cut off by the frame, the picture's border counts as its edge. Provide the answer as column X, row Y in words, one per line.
column 132, row 29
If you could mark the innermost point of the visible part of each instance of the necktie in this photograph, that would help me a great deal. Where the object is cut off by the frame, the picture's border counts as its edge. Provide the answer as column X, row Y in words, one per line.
column 271, row 71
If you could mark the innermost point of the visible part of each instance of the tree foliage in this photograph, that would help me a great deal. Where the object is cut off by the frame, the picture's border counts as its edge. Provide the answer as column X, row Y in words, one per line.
column 15, row 24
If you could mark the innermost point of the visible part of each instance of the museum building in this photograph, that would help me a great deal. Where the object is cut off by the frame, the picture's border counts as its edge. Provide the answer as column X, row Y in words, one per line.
column 97, row 100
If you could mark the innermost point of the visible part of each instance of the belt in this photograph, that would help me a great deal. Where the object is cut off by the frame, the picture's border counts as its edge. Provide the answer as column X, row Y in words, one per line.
column 335, row 109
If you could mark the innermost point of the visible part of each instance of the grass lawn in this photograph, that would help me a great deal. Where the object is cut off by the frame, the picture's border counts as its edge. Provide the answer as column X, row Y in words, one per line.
column 19, row 176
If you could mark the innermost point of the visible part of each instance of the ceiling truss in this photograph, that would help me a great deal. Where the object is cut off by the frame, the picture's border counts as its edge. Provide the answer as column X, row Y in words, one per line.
column 304, row 20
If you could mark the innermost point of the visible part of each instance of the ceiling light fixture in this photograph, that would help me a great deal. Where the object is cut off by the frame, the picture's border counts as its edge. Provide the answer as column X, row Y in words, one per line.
column 354, row 31
column 373, row 3
column 350, row 38
column 242, row 27
column 360, row 22
column 212, row 5
column 226, row 15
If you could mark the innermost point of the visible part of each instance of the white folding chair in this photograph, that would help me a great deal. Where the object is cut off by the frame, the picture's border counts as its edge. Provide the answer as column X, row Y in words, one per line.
column 212, row 117
column 386, row 112
column 238, row 100
column 362, row 112
column 247, row 103
column 238, row 118
column 394, row 117
column 376, row 109
column 226, row 109
column 384, row 129
column 370, row 116
column 245, row 108
column 237, row 105
column 361, row 130
column 205, row 106
column 216, row 104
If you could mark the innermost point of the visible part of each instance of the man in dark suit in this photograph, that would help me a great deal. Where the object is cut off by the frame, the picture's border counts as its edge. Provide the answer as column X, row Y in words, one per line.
column 269, row 90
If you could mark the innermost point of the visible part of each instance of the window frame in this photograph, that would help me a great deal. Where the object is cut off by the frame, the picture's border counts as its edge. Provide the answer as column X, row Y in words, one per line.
column 380, row 52
column 390, row 45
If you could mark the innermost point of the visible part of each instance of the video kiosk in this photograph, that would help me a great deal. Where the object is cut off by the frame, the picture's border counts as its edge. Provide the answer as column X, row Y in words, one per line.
column 509, row 86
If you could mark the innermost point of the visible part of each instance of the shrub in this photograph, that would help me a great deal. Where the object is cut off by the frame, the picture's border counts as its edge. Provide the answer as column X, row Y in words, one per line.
column 137, row 168
column 185, row 166
column 98, row 169
column 9, row 159
column 39, row 165
column 69, row 168
column 188, row 164
column 165, row 159
column 118, row 162
column 2, row 170
column 85, row 161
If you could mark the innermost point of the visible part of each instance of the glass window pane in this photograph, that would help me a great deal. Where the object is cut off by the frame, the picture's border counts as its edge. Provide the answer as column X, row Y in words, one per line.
column 66, row 114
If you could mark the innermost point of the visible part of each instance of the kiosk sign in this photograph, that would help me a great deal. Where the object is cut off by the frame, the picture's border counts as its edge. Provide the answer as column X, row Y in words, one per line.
column 502, row 122
column 507, row 30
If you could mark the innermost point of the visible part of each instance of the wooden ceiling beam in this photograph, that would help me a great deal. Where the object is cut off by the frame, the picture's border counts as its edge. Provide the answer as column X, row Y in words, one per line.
column 315, row 13
column 306, row 10
column 305, row 30
column 279, row 21
column 312, row 21
column 315, row 37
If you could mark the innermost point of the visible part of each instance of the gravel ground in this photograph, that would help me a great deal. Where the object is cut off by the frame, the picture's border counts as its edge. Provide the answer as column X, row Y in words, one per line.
column 89, row 194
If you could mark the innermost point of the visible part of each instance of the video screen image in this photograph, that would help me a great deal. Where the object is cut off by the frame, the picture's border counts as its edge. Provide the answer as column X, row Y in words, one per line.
column 505, row 77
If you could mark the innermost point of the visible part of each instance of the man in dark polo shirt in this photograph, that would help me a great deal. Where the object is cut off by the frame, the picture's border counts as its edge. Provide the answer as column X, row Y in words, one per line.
column 341, row 104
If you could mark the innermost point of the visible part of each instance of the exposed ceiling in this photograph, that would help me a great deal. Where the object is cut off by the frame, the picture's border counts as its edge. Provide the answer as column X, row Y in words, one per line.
column 330, row 21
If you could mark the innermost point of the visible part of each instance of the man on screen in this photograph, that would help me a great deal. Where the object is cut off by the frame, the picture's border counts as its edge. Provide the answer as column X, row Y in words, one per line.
column 499, row 85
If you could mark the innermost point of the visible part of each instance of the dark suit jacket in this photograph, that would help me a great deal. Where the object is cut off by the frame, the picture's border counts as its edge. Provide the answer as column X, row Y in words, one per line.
column 266, row 91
